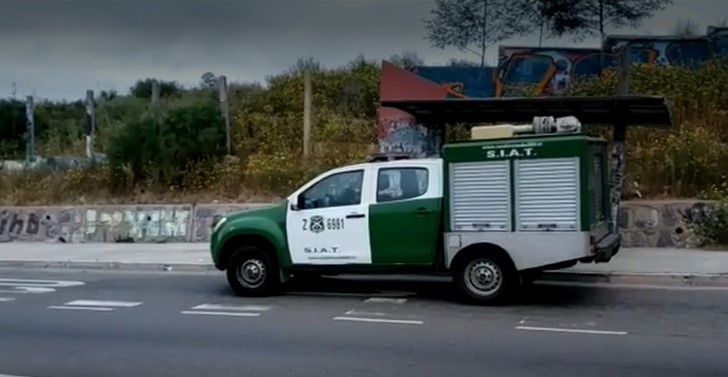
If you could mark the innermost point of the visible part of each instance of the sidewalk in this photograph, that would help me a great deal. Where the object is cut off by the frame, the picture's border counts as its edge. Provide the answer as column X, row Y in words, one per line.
column 196, row 256
column 127, row 256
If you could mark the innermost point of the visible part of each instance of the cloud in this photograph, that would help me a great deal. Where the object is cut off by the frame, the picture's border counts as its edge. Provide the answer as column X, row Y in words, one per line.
column 48, row 43
column 60, row 48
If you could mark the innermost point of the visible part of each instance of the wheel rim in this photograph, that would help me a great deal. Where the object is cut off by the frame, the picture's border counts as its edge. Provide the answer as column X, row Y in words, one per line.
column 251, row 273
column 483, row 277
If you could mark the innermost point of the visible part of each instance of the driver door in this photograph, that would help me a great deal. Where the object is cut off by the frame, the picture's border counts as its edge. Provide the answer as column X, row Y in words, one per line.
column 329, row 224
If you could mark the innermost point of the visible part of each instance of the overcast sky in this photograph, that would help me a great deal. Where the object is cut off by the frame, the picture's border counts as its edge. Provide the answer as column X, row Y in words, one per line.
column 59, row 48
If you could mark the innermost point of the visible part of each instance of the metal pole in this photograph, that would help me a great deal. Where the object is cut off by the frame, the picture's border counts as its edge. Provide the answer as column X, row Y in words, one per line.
column 306, row 113
column 619, row 136
column 155, row 93
column 90, row 123
column 30, row 128
column 225, row 109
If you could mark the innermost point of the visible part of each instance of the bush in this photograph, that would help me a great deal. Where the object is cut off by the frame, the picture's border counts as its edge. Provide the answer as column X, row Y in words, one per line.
column 178, row 151
column 159, row 146
column 687, row 159
column 710, row 227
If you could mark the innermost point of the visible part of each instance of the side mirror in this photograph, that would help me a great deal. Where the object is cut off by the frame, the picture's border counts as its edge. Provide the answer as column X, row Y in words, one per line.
column 299, row 204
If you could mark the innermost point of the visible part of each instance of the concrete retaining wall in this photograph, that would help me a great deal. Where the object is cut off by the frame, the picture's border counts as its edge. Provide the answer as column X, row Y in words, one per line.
column 643, row 223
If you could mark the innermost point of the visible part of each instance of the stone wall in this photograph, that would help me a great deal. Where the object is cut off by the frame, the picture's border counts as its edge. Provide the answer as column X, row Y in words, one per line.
column 140, row 223
column 659, row 223
column 643, row 223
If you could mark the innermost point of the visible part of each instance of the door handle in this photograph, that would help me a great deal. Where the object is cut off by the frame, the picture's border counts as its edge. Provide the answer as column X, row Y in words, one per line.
column 355, row 216
column 423, row 211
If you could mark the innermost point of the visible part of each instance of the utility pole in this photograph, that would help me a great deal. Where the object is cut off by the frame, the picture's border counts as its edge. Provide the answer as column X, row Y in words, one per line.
column 155, row 94
column 306, row 113
column 90, row 123
column 225, row 109
column 619, row 135
column 30, row 129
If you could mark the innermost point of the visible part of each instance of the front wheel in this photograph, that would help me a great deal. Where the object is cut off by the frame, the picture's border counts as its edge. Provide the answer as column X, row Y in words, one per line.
column 252, row 272
column 485, row 280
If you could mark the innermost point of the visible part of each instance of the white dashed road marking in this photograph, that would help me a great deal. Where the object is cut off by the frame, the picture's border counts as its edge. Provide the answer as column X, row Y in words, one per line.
column 383, row 300
column 30, row 286
column 120, row 304
column 375, row 314
column 6, row 299
column 231, row 314
column 577, row 331
column 252, row 308
column 95, row 305
column 378, row 317
column 92, row 309
column 227, row 310
column 379, row 320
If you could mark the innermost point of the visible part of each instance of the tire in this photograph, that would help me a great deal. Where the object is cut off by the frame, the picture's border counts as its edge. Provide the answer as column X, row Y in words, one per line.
column 484, row 279
column 252, row 272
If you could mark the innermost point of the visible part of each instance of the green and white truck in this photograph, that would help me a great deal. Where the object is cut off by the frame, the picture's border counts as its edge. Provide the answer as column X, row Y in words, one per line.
column 493, row 211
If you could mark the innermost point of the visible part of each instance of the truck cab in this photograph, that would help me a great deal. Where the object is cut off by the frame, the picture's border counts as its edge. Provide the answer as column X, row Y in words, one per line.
column 493, row 212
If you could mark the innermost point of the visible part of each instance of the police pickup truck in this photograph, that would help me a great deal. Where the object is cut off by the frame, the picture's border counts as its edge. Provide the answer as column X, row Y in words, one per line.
column 493, row 212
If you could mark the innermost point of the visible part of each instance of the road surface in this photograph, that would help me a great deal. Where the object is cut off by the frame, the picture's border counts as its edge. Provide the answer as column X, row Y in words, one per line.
column 76, row 324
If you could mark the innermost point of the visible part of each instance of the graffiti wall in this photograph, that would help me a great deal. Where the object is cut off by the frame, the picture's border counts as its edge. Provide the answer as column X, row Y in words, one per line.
column 205, row 217
column 718, row 40
column 544, row 71
column 462, row 82
column 148, row 223
column 548, row 70
column 41, row 224
column 662, row 50
column 140, row 224
column 399, row 131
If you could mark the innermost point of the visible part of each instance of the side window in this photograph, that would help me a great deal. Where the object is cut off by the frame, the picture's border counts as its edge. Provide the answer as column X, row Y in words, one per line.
column 341, row 189
column 401, row 183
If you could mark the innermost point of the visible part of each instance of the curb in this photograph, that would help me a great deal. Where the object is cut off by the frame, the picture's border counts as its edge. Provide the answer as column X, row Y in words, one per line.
column 105, row 266
column 633, row 278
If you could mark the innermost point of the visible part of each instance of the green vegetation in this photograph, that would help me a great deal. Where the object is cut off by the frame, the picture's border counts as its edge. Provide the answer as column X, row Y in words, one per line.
column 177, row 152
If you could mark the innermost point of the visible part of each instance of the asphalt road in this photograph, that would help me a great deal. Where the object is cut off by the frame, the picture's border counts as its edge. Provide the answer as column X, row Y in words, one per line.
column 174, row 324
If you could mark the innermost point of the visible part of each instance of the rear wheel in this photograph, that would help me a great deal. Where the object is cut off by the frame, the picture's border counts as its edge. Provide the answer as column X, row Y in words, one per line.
column 486, row 279
column 253, row 272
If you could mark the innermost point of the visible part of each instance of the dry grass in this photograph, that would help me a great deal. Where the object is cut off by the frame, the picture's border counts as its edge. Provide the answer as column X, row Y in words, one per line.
column 691, row 160
column 87, row 187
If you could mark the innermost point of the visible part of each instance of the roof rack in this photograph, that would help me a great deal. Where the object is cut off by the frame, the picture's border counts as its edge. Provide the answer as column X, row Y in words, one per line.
column 381, row 157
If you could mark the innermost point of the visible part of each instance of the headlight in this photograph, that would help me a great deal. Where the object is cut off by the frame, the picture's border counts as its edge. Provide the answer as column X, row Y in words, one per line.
column 219, row 224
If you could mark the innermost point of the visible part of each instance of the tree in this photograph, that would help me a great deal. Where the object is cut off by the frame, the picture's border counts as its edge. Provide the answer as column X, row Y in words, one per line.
column 143, row 88
column 474, row 25
column 208, row 80
column 537, row 14
column 686, row 28
column 584, row 18
column 461, row 63
column 408, row 59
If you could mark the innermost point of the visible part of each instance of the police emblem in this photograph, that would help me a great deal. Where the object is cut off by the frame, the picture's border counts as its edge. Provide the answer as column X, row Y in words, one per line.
column 316, row 224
